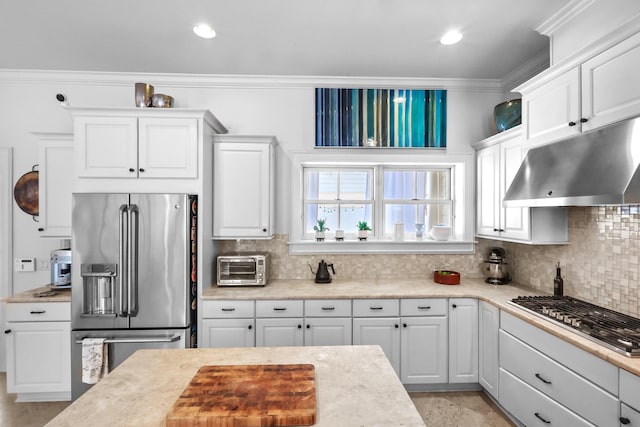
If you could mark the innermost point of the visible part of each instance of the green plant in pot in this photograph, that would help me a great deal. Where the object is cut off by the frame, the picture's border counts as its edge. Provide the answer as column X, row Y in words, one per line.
column 320, row 228
column 363, row 229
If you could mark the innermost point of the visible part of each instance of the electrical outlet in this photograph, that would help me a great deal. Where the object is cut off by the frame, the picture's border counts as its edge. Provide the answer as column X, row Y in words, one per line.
column 24, row 264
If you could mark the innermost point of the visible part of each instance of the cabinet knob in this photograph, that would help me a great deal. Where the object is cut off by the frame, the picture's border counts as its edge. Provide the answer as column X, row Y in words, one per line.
column 40, row 229
column 454, row 305
column 7, row 331
column 250, row 326
column 396, row 325
column 299, row 326
column 572, row 123
column 625, row 420
column 132, row 170
column 308, row 326
column 584, row 120
column 141, row 169
column 404, row 325
column 264, row 230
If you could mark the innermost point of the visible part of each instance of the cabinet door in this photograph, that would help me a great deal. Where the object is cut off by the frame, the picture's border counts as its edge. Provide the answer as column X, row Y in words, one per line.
column 168, row 148
column 279, row 332
column 610, row 89
column 382, row 331
column 56, row 173
column 327, row 331
column 488, row 194
column 423, row 350
column 218, row 333
column 552, row 111
column 242, row 190
column 463, row 340
column 106, row 147
column 514, row 222
column 38, row 357
column 489, row 322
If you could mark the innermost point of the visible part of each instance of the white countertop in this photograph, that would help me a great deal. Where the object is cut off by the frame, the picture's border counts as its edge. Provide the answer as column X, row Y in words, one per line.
column 355, row 386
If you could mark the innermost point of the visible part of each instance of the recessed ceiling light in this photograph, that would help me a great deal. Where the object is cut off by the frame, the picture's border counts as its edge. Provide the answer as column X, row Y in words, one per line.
column 205, row 31
column 452, row 37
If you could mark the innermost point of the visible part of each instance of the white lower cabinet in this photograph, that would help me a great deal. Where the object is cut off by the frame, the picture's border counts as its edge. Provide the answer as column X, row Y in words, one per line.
column 228, row 324
column 533, row 408
column 279, row 323
column 327, row 322
column 39, row 351
column 423, row 341
column 629, row 399
column 463, row 340
column 488, row 358
column 377, row 322
column 545, row 378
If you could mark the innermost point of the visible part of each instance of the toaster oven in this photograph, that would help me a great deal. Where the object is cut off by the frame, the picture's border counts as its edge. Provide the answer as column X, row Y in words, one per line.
column 243, row 270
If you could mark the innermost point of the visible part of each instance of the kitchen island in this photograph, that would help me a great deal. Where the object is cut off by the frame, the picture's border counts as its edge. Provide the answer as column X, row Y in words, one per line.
column 355, row 386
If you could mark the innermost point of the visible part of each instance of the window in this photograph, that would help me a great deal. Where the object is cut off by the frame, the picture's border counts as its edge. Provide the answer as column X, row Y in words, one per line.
column 384, row 190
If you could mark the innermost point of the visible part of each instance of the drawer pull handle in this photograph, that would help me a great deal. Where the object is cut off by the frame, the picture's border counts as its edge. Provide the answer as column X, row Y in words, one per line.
column 7, row 331
column 625, row 420
column 538, row 376
column 328, row 308
column 279, row 308
column 229, row 309
column 424, row 307
column 375, row 308
column 38, row 311
column 542, row 419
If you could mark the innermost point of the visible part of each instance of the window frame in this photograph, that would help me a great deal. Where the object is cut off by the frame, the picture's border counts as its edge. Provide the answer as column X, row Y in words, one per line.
column 462, row 192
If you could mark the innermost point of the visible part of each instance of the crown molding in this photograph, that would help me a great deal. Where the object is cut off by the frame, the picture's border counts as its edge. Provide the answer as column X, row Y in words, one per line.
column 244, row 81
column 563, row 16
column 534, row 66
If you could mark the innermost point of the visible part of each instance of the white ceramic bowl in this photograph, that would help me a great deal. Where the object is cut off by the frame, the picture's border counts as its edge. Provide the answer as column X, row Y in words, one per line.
column 440, row 232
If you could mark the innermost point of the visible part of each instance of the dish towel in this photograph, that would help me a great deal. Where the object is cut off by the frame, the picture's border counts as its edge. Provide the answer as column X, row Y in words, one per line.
column 95, row 360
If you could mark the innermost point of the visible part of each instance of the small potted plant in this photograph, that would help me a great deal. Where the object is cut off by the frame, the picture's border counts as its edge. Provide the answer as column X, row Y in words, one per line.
column 320, row 228
column 363, row 228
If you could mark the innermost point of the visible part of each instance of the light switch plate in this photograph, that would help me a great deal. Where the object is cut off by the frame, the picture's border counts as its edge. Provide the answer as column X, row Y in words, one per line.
column 24, row 264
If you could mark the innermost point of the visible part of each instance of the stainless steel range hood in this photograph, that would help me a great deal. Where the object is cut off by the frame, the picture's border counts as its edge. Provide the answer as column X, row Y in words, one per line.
column 594, row 168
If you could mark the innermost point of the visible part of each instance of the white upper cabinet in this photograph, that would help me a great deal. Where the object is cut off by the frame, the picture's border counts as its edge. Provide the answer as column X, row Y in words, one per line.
column 55, row 157
column 130, row 147
column 243, row 186
column 498, row 160
column 565, row 101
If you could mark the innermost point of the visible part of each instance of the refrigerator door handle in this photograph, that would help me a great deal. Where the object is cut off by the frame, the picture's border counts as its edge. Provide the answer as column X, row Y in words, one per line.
column 132, row 260
column 123, row 281
column 125, row 340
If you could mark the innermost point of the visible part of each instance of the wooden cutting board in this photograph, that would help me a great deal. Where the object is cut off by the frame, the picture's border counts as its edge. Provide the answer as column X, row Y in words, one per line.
column 247, row 396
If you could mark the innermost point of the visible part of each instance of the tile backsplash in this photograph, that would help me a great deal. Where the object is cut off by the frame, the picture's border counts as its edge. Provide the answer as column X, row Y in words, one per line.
column 600, row 264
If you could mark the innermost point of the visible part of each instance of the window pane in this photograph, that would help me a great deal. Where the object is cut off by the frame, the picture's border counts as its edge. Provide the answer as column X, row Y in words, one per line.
column 321, row 211
column 320, row 184
column 341, row 216
column 350, row 215
column 409, row 215
column 355, row 185
column 433, row 185
column 399, row 185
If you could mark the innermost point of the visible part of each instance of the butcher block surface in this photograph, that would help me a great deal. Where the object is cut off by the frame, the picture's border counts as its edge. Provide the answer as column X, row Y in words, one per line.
column 247, row 396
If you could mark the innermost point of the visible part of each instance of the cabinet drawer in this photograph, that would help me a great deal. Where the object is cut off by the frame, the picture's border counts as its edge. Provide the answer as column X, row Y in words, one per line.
column 589, row 366
column 630, row 414
column 39, row 312
column 533, row 408
column 423, row 307
column 279, row 308
column 376, row 307
column 327, row 308
column 629, row 386
column 557, row 382
column 227, row 309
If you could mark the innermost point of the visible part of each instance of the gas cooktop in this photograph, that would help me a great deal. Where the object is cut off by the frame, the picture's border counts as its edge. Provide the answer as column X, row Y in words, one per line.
column 616, row 331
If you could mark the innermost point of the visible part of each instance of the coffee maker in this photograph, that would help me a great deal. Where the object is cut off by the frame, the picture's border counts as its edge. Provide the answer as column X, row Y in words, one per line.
column 61, row 268
column 496, row 268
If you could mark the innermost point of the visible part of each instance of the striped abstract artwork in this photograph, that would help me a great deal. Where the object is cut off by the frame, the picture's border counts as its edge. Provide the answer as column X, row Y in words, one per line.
column 399, row 118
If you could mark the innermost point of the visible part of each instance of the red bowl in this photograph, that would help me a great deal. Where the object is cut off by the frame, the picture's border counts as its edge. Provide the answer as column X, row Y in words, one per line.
column 446, row 277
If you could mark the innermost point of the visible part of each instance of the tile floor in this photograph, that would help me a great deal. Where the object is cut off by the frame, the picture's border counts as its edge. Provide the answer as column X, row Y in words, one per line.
column 457, row 409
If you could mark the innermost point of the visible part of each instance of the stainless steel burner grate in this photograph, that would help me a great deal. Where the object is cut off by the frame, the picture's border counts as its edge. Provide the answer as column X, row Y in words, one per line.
column 614, row 330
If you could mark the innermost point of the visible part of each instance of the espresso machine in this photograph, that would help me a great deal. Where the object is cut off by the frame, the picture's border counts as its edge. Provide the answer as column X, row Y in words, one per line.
column 60, row 262
column 496, row 268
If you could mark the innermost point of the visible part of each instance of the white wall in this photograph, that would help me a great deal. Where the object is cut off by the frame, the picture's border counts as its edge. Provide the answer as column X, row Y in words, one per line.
column 265, row 106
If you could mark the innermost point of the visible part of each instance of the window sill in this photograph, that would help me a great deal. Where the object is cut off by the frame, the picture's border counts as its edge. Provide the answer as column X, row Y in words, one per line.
column 381, row 247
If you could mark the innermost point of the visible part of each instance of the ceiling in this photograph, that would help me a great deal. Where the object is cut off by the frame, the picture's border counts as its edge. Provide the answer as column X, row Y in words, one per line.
column 370, row 38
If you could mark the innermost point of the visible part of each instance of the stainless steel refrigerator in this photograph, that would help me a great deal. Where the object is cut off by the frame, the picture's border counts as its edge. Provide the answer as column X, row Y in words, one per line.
column 133, row 274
